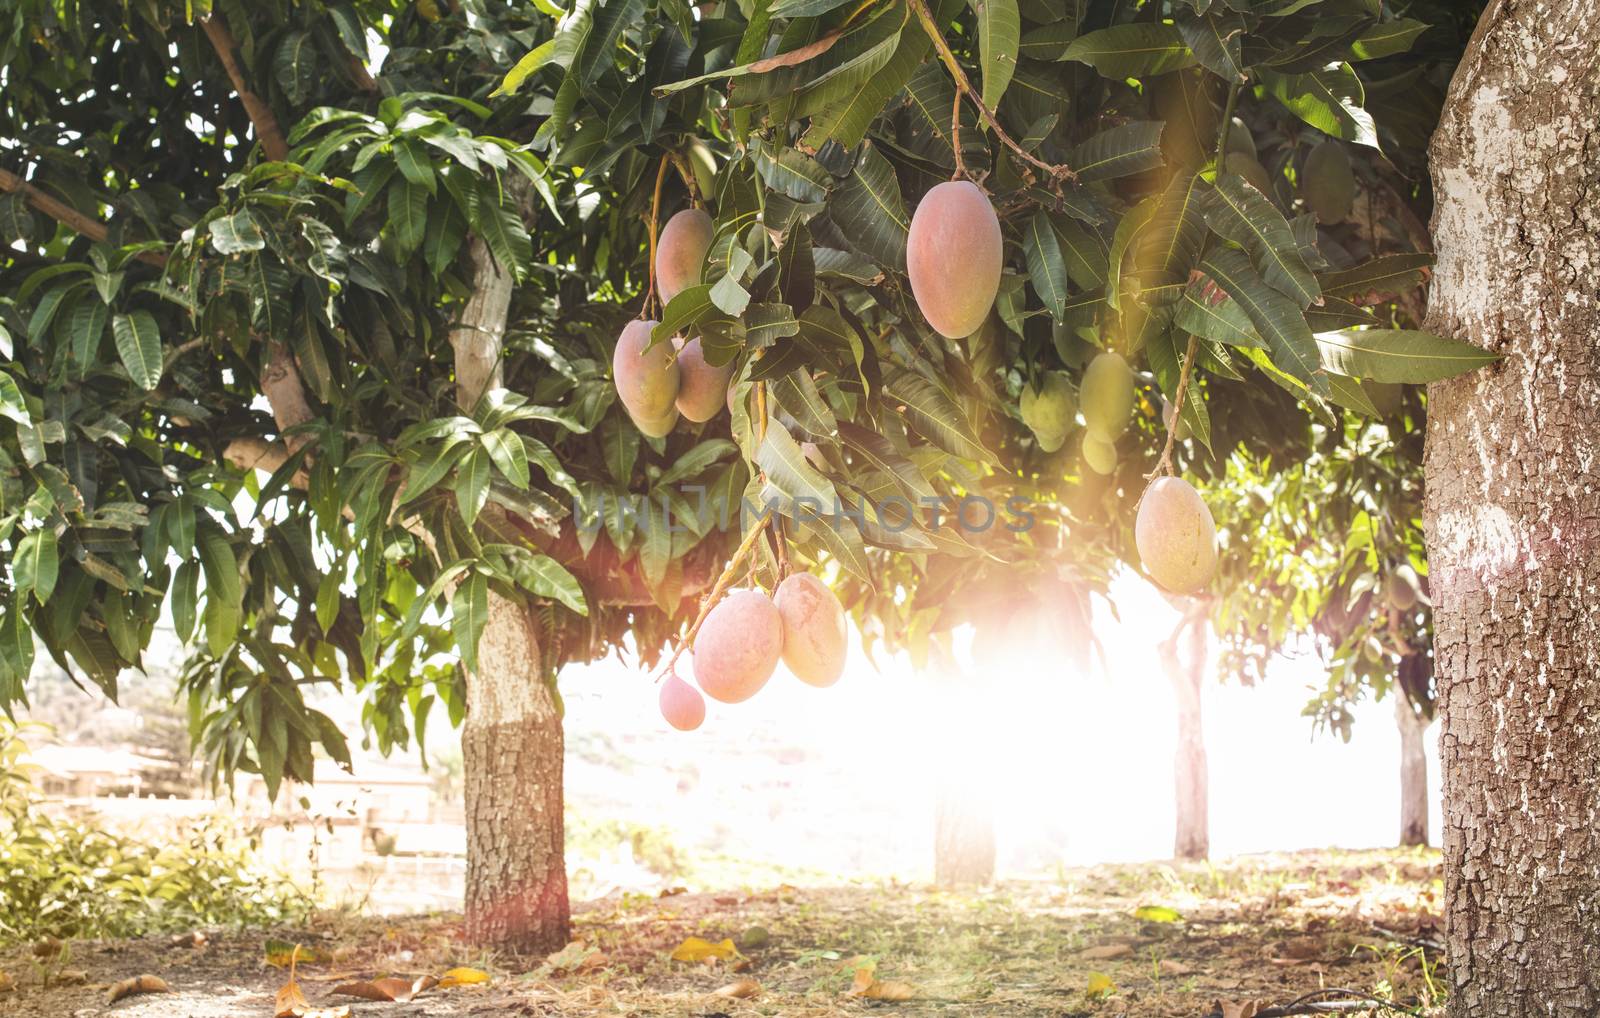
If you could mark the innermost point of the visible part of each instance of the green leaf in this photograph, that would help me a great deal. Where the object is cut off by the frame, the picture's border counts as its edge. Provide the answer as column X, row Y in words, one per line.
column 1168, row 247
column 295, row 66
column 472, row 485
column 502, row 229
column 620, row 444
column 87, row 328
column 185, row 597
column 328, row 598
column 1128, row 148
column 790, row 474
column 408, row 213
column 1329, row 99
column 933, row 414
column 139, row 346
column 1131, row 50
column 797, row 393
column 1220, row 321
column 1276, row 318
column 543, row 576
column 1379, row 279
column 525, row 68
column 236, row 234
column 868, row 210
column 509, row 455
column 1216, row 40
column 1046, row 267
column 224, row 596
column 34, row 564
column 469, row 611
column 415, row 165
column 1387, row 39
column 846, row 119
column 683, row 312
column 1399, row 355
column 999, row 31
column 1243, row 215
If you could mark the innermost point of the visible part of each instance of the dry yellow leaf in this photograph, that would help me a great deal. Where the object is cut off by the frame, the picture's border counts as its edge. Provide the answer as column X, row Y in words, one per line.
column 289, row 1001
column 70, row 977
column 7, row 984
column 1239, row 1008
column 740, row 988
column 695, row 949
column 1100, row 986
column 1169, row 967
column 398, row 990
column 137, row 984
column 889, row 989
column 463, row 977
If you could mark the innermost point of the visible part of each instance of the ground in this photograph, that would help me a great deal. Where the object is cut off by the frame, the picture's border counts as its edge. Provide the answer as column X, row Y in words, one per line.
column 1149, row 940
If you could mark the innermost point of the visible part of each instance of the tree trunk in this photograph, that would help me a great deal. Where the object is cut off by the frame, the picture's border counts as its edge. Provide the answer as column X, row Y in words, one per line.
column 1192, row 836
column 511, row 747
column 1512, row 517
column 1413, row 772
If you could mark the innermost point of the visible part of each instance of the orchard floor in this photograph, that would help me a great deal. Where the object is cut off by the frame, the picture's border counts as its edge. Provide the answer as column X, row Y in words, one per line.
column 1100, row 941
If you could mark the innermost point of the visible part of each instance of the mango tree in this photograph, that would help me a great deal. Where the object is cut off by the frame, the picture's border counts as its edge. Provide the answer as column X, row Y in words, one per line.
column 314, row 315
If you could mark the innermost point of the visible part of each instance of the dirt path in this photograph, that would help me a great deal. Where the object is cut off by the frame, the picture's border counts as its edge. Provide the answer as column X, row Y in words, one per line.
column 1268, row 928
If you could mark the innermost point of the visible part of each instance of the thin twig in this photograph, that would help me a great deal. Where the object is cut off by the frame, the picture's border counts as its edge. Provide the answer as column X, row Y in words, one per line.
column 955, row 135
column 963, row 84
column 717, row 590
column 1351, row 1000
column 1164, row 465
column 655, row 227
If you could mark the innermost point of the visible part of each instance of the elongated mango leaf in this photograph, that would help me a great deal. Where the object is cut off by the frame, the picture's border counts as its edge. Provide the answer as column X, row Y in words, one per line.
column 1378, row 279
column 999, row 29
column 934, row 415
column 139, row 345
column 1127, row 51
column 869, row 211
column 1169, row 245
column 1276, row 318
column 1329, row 99
column 797, row 393
column 846, row 120
column 1216, row 41
column 1399, row 355
column 1215, row 316
column 469, row 610
column 1239, row 212
column 1046, row 267
column 1387, row 39
column 1119, row 151
column 846, row 69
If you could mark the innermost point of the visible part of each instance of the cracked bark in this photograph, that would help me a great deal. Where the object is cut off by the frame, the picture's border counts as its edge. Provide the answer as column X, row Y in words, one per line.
column 1413, row 772
column 1512, row 516
column 512, row 745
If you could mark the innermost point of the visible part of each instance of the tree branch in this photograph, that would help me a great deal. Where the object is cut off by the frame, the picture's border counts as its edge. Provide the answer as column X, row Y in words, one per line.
column 268, row 133
column 68, row 216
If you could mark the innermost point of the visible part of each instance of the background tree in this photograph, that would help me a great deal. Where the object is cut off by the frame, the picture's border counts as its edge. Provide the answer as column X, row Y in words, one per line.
column 334, row 342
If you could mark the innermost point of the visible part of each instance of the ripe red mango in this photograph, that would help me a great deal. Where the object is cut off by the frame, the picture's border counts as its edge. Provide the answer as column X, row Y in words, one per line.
column 702, row 388
column 681, row 251
column 814, row 637
column 647, row 382
column 681, row 705
column 738, row 647
column 954, row 254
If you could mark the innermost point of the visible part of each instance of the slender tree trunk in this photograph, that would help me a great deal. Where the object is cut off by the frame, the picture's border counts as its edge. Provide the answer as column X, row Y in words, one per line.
column 1192, row 836
column 1513, row 516
column 512, row 751
column 1413, row 772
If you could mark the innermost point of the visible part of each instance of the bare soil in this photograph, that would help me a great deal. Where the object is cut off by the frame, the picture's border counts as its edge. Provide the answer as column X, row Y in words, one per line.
column 1263, row 929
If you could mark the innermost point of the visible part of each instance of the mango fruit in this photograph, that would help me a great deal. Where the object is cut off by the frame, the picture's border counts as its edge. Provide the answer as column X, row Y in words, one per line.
column 683, row 707
column 814, row 636
column 1100, row 454
column 1176, row 536
column 1106, row 395
column 702, row 389
column 738, row 647
column 647, row 382
column 1051, row 412
column 681, row 252
column 954, row 254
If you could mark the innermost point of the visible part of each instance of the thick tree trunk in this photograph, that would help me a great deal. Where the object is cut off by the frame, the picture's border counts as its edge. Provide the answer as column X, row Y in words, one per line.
column 511, row 749
column 1413, row 772
column 1513, row 516
column 963, row 833
column 1192, row 836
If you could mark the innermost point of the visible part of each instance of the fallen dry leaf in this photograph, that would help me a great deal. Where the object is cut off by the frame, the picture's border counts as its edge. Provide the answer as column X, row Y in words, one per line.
column 7, row 984
column 1239, row 1008
column 696, row 949
column 869, row 987
column 70, row 977
column 1169, row 967
column 1105, row 952
column 576, row 957
column 463, row 977
column 391, row 989
column 1157, row 914
column 289, row 1002
column 1100, row 986
column 282, row 954
column 48, row 947
column 194, row 938
column 672, row 892
column 135, row 985
column 740, row 988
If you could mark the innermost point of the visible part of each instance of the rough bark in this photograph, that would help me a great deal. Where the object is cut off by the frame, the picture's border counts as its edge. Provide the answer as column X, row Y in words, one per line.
column 1413, row 772
column 1186, row 671
column 1512, row 517
column 512, row 747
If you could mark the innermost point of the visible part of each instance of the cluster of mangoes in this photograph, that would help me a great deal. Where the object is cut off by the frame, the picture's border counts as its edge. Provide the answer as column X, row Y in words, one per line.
column 658, row 384
column 954, row 256
column 747, row 633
